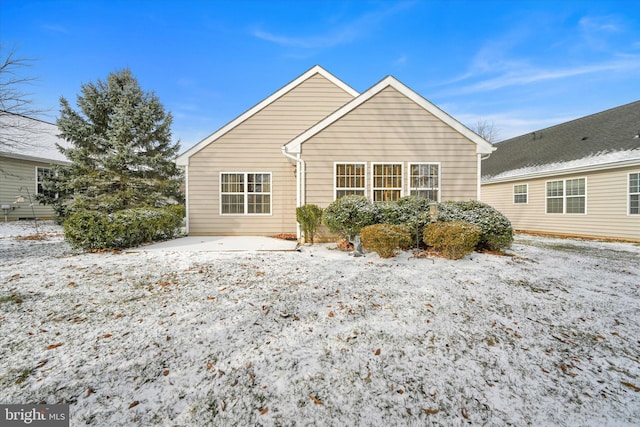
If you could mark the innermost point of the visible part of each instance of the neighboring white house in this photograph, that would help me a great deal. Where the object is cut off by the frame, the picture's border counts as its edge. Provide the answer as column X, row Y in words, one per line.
column 579, row 178
column 27, row 153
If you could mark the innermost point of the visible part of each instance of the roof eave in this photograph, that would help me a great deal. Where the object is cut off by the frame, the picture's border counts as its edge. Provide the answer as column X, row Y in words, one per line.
column 183, row 159
column 482, row 146
column 567, row 171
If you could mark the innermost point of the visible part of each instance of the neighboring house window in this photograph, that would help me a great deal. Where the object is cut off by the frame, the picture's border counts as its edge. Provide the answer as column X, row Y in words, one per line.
column 567, row 196
column 424, row 180
column 387, row 181
column 245, row 193
column 350, row 179
column 634, row 193
column 41, row 175
column 520, row 192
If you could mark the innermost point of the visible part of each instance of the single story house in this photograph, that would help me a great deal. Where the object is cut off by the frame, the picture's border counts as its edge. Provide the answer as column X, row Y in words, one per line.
column 579, row 178
column 27, row 153
column 315, row 140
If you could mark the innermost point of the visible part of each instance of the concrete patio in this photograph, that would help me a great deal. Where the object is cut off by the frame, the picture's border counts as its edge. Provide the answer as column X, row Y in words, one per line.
column 220, row 244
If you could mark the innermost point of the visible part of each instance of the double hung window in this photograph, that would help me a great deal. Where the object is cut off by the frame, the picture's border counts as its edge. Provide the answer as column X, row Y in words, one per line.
column 245, row 193
column 424, row 180
column 567, row 196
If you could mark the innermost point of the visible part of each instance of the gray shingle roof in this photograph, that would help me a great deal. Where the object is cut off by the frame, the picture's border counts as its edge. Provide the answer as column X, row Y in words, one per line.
column 597, row 137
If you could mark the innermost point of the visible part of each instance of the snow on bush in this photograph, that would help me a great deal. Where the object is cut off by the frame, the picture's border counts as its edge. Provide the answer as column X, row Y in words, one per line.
column 348, row 215
column 497, row 232
column 411, row 211
column 92, row 230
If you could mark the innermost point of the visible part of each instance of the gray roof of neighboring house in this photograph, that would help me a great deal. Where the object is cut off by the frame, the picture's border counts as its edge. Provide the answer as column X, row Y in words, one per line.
column 30, row 139
column 606, row 137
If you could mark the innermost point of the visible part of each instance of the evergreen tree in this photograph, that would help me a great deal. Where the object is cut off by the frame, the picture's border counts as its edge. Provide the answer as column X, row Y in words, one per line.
column 121, row 153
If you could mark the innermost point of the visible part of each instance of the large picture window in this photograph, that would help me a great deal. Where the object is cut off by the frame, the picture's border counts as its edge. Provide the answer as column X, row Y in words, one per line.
column 387, row 181
column 350, row 178
column 634, row 193
column 424, row 180
column 567, row 196
column 245, row 193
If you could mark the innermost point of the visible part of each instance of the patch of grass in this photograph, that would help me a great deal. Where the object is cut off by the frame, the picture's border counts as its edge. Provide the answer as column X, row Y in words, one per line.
column 24, row 374
column 11, row 298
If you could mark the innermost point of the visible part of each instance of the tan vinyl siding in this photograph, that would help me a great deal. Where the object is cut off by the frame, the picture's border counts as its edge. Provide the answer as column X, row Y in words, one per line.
column 255, row 146
column 390, row 128
column 15, row 174
column 606, row 206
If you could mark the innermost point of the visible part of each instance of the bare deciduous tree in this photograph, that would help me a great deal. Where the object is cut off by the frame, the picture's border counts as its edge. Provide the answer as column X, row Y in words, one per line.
column 487, row 130
column 16, row 101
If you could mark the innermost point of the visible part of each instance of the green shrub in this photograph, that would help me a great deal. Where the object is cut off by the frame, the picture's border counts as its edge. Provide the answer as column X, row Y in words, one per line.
column 348, row 215
column 310, row 218
column 385, row 239
column 497, row 232
column 411, row 211
column 92, row 230
column 454, row 239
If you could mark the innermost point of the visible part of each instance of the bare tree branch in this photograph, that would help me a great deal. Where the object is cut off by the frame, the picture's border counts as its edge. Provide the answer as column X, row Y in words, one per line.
column 15, row 101
column 487, row 130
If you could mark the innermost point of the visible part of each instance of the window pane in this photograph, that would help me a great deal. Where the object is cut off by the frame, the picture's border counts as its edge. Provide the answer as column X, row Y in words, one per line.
column 232, row 203
column 519, row 198
column 386, row 195
column 259, row 204
column 634, row 183
column 232, row 183
column 350, row 179
column 554, row 205
column 575, row 187
column 554, row 189
column 423, row 180
column 576, row 205
column 634, row 204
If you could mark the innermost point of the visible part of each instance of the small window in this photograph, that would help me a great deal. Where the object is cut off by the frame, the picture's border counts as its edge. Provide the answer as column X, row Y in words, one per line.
column 244, row 193
column 567, row 196
column 424, row 180
column 350, row 179
column 634, row 193
column 387, row 182
column 520, row 193
column 43, row 174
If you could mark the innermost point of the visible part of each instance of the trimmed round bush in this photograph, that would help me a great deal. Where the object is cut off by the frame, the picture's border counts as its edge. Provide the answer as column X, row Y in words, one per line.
column 348, row 215
column 497, row 232
column 93, row 230
column 454, row 239
column 385, row 239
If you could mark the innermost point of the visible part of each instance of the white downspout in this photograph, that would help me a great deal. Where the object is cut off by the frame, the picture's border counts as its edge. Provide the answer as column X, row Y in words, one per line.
column 186, row 198
column 300, row 181
column 480, row 159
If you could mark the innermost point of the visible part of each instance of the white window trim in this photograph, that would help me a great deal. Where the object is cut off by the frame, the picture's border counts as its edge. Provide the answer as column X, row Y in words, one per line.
column 629, row 194
column 246, row 194
column 372, row 179
column 335, row 177
column 564, row 196
column 526, row 193
column 36, row 192
column 409, row 188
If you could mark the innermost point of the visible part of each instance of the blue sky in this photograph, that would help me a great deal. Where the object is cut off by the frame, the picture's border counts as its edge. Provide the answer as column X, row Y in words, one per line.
column 521, row 65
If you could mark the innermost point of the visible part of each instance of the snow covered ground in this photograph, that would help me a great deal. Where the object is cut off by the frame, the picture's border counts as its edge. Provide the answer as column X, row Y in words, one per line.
column 547, row 336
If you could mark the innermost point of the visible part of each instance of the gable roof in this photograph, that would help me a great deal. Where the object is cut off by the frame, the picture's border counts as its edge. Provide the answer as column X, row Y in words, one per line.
column 483, row 147
column 30, row 139
column 183, row 159
column 605, row 139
